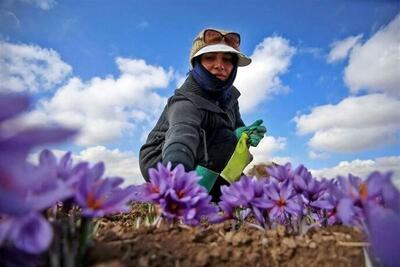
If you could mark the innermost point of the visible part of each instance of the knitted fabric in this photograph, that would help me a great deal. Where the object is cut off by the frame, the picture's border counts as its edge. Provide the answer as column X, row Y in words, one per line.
column 218, row 90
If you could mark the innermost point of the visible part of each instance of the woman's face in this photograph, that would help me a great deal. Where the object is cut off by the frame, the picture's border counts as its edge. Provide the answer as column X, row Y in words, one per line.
column 218, row 63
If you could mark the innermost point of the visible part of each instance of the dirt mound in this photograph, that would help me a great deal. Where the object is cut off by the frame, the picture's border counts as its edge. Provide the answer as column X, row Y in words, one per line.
column 118, row 243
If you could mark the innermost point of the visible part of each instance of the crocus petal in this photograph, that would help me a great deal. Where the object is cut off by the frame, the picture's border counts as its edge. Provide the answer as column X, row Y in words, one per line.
column 5, row 227
column 263, row 203
column 272, row 191
column 259, row 216
column 97, row 170
column 105, row 186
column 286, row 189
column 391, row 197
column 345, row 210
column 12, row 104
column 384, row 230
column 322, row 204
column 47, row 158
column 42, row 200
column 293, row 208
column 66, row 161
column 299, row 183
column 274, row 213
column 190, row 214
column 26, row 139
column 226, row 207
column 332, row 220
column 32, row 233
column 12, row 203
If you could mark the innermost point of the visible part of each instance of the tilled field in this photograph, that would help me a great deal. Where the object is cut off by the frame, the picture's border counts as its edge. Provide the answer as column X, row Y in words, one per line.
column 119, row 243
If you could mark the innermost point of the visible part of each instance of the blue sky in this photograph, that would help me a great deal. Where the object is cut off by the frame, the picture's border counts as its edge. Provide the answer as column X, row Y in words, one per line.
column 325, row 74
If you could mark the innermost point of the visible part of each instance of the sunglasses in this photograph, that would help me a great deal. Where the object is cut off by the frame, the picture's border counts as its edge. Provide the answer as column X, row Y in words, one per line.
column 215, row 37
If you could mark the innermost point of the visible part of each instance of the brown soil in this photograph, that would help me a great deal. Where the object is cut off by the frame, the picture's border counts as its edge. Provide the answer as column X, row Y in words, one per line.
column 119, row 243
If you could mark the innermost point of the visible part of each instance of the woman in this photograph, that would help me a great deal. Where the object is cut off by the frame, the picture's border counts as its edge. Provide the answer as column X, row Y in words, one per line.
column 201, row 123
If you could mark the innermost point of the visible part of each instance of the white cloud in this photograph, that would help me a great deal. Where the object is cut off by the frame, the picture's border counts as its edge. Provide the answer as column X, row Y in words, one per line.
column 30, row 68
column 317, row 155
column 375, row 65
column 340, row 49
column 105, row 108
column 42, row 4
column 356, row 123
column 118, row 163
column 260, row 80
column 362, row 168
column 267, row 147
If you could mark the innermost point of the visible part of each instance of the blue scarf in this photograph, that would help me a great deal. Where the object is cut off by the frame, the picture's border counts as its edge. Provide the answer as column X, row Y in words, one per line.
column 217, row 89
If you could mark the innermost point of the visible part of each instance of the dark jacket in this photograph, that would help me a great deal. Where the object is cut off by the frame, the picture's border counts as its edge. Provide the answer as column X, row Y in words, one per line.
column 193, row 129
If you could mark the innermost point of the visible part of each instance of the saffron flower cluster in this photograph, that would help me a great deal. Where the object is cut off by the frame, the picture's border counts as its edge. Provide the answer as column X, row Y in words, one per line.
column 288, row 196
column 177, row 194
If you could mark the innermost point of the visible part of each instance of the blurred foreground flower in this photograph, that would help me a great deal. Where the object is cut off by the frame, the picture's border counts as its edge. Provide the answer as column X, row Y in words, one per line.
column 98, row 197
column 30, row 233
column 26, row 189
column 384, row 234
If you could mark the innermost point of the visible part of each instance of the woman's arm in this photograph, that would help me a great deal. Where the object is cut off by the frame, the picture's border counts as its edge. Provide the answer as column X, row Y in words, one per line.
column 183, row 137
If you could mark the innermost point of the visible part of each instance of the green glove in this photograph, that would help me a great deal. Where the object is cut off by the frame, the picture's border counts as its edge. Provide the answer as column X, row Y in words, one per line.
column 240, row 158
column 255, row 132
column 256, row 135
column 208, row 177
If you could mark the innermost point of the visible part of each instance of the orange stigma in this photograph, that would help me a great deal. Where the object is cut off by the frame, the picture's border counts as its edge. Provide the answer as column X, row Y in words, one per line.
column 93, row 203
column 363, row 191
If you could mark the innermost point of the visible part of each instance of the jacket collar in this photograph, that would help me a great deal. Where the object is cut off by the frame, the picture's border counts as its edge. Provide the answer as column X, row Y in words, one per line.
column 191, row 90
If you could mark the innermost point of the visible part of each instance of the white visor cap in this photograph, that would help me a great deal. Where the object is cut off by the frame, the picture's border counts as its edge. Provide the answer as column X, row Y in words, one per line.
column 242, row 59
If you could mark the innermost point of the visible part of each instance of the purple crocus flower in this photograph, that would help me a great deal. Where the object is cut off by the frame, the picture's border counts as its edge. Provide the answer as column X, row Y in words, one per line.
column 63, row 169
column 171, row 208
column 281, row 172
column 185, row 187
column 283, row 202
column 31, row 233
column 161, row 179
column 98, row 197
column 200, row 207
column 44, row 189
column 308, row 186
column 246, row 193
column 358, row 193
column 285, row 172
column 177, row 193
column 328, row 202
column 243, row 192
